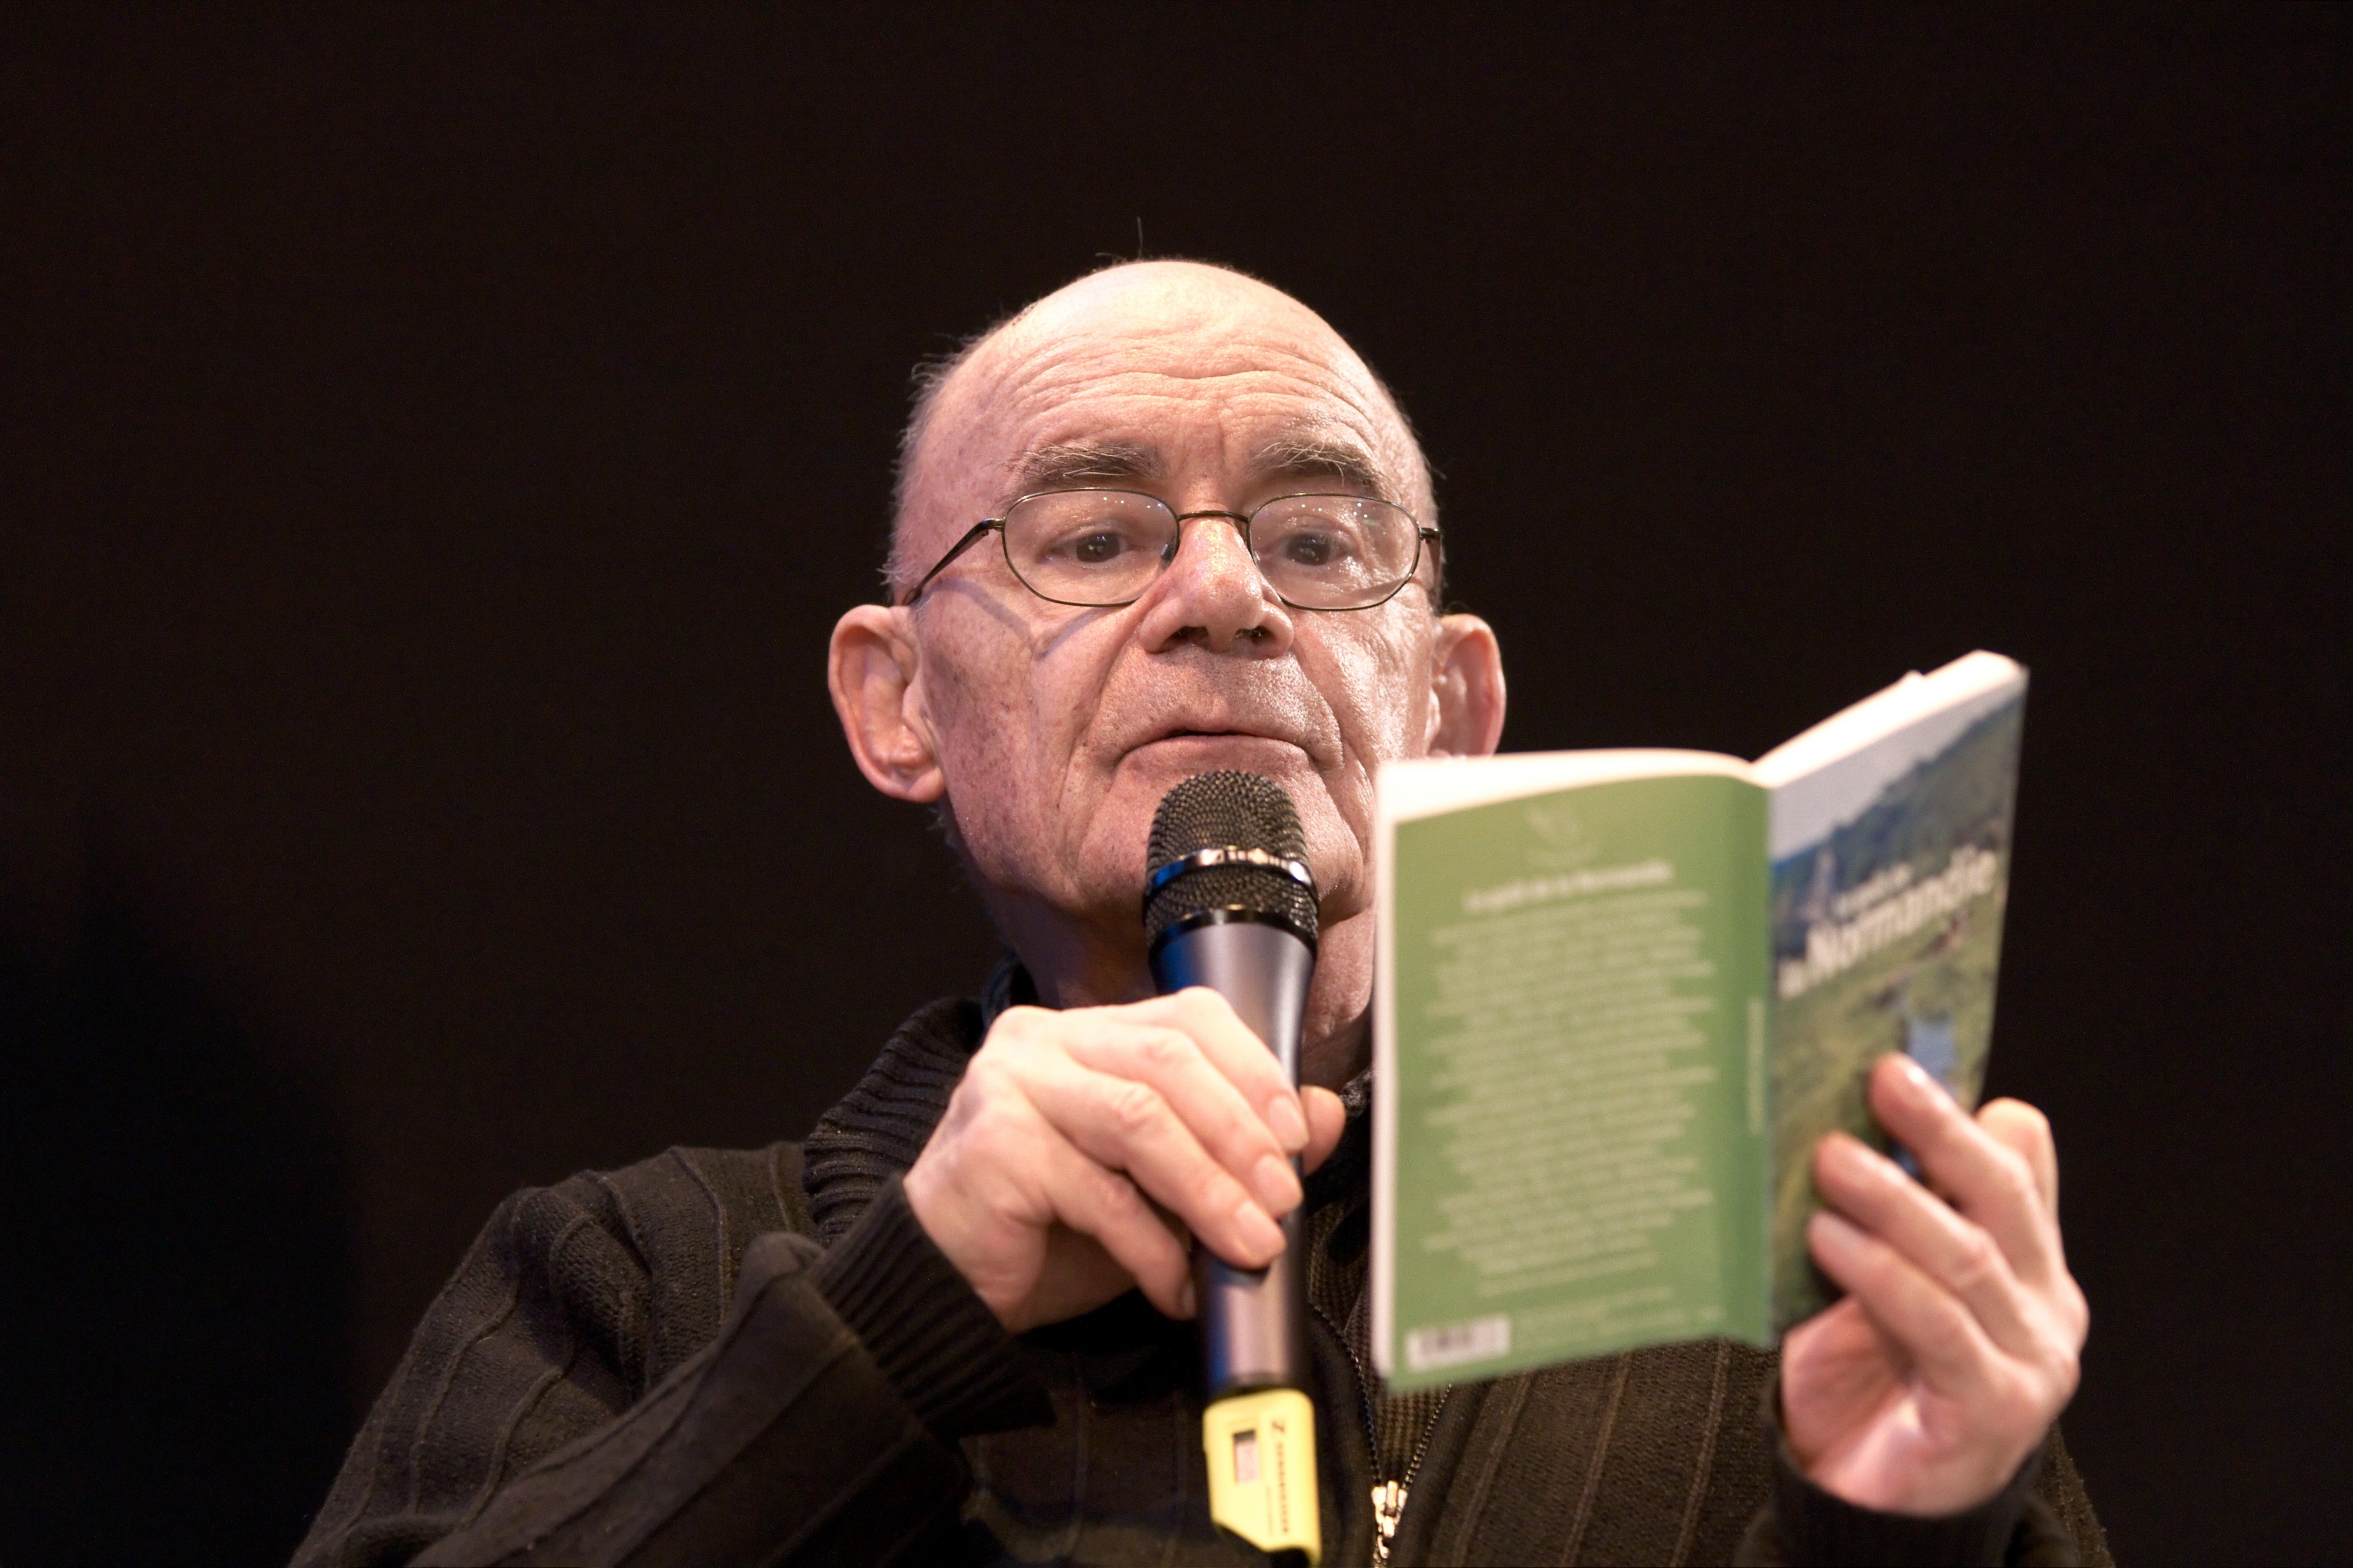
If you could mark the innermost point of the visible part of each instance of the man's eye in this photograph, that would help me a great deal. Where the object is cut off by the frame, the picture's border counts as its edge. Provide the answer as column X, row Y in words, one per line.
column 1311, row 550
column 1095, row 549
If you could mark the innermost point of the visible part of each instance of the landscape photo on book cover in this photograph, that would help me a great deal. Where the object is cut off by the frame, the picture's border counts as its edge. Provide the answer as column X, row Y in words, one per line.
column 1888, row 887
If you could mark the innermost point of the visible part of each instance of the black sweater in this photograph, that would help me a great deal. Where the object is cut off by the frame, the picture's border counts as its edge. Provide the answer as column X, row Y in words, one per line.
column 723, row 1356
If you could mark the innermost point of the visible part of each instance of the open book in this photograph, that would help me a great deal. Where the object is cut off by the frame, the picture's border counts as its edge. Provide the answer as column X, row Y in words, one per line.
column 1622, row 994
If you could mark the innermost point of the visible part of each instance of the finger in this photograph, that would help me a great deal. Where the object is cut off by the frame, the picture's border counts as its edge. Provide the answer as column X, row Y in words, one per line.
column 1235, row 1052
column 1327, row 1121
column 1871, row 1190
column 1100, row 1203
column 1925, row 1322
column 1204, row 1099
column 1124, row 1125
column 1984, row 1178
column 2028, row 1131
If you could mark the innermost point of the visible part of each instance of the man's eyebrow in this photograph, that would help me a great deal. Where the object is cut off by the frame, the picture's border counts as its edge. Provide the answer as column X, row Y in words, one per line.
column 1322, row 458
column 1067, row 463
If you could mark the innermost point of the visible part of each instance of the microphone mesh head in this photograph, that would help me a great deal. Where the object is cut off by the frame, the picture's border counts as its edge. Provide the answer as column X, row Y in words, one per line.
column 1228, row 811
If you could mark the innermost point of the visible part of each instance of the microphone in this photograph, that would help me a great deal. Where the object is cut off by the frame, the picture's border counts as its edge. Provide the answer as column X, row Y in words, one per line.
column 1229, row 903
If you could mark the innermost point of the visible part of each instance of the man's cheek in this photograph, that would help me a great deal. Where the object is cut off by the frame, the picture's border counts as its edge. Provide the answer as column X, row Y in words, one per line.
column 980, row 754
column 1378, row 705
column 1008, row 823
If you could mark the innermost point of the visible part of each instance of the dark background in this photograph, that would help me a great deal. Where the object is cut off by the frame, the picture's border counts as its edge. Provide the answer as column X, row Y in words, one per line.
column 438, row 442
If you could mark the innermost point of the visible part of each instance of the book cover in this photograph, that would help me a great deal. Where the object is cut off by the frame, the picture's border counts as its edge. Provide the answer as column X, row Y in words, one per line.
column 1891, row 869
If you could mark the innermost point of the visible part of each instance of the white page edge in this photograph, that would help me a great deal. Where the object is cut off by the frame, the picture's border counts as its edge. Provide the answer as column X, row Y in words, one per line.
column 1885, row 712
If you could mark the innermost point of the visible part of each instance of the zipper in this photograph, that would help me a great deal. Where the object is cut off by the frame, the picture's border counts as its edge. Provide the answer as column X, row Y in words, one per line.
column 1389, row 1496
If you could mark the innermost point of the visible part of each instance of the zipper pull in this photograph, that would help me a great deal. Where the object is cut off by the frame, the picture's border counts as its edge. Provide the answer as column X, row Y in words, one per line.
column 1388, row 1507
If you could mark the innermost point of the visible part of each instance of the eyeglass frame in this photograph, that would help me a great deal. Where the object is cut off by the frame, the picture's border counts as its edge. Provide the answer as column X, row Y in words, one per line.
column 1426, row 536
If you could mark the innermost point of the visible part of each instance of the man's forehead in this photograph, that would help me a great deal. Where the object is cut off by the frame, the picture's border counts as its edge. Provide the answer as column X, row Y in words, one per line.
column 1303, row 451
column 1107, row 378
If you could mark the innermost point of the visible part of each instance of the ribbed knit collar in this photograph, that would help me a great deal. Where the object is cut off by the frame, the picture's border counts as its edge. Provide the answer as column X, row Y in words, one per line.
column 879, row 1127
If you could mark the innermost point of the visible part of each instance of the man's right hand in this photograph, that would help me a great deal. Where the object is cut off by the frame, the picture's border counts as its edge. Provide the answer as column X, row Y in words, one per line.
column 1082, row 1147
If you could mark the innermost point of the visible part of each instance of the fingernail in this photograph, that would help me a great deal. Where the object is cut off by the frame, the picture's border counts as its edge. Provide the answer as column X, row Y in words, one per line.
column 1278, row 1189
column 1262, row 1238
column 1917, row 1076
column 1284, row 1121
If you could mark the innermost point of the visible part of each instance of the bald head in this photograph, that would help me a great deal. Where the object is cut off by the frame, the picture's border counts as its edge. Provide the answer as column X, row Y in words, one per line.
column 982, row 430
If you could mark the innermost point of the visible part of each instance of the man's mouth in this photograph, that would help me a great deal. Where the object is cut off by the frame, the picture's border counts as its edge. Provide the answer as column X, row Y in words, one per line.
column 1188, row 737
column 1189, row 734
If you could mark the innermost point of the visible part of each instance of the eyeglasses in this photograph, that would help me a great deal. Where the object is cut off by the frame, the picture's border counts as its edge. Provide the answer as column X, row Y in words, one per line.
column 1101, row 549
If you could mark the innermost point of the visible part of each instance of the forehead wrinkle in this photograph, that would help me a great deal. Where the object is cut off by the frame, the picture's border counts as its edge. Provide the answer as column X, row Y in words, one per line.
column 1276, row 442
column 1309, row 450
column 1061, row 399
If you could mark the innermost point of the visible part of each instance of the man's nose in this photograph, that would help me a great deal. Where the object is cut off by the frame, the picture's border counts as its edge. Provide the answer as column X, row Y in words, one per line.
column 1213, row 593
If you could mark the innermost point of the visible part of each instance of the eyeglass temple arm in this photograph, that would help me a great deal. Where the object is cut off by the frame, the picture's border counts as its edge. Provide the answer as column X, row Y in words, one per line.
column 972, row 536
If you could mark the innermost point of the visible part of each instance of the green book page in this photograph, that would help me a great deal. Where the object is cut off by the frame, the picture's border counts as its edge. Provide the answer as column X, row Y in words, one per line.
column 1573, row 1151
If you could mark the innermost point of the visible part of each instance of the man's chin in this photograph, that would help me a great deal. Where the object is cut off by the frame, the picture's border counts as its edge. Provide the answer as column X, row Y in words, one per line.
column 1100, row 880
column 1148, row 772
column 1160, row 765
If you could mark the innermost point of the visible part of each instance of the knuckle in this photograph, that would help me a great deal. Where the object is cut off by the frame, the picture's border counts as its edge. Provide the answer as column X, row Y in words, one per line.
column 2009, row 1390
column 1977, row 1264
column 1947, row 1325
column 994, row 1136
column 2015, row 1178
column 956, row 1122
column 2039, row 1396
column 987, row 1084
column 2066, row 1376
column 1135, row 1109
column 1015, row 1024
column 1166, row 1050
column 989, row 1142
column 1115, row 1196
column 2074, row 1313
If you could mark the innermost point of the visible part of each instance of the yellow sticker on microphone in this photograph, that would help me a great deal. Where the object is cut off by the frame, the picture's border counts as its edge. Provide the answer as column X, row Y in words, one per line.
column 1262, row 1454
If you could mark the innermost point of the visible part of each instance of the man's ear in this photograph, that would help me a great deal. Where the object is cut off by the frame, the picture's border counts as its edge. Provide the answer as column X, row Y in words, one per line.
column 1466, row 689
column 872, row 668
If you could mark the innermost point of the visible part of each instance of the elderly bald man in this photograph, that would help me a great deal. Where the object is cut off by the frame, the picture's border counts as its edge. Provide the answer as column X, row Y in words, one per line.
column 951, row 1325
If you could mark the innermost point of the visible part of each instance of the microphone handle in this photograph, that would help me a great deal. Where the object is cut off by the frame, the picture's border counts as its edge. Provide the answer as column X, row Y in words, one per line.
column 1253, row 1321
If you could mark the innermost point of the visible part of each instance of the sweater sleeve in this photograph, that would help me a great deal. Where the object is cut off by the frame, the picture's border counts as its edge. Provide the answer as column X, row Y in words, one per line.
column 805, row 1430
column 2040, row 1520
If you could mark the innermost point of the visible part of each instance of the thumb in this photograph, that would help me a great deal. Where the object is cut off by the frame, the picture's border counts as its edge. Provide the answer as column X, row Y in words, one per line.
column 1326, row 1120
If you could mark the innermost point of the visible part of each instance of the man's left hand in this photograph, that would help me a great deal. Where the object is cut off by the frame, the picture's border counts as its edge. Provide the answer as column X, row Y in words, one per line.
column 1925, row 1389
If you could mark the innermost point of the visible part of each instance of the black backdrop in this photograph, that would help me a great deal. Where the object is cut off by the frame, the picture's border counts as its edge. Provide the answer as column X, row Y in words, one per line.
column 437, row 442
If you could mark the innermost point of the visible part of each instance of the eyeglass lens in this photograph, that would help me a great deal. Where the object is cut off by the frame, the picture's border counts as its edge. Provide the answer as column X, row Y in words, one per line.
column 1104, row 547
